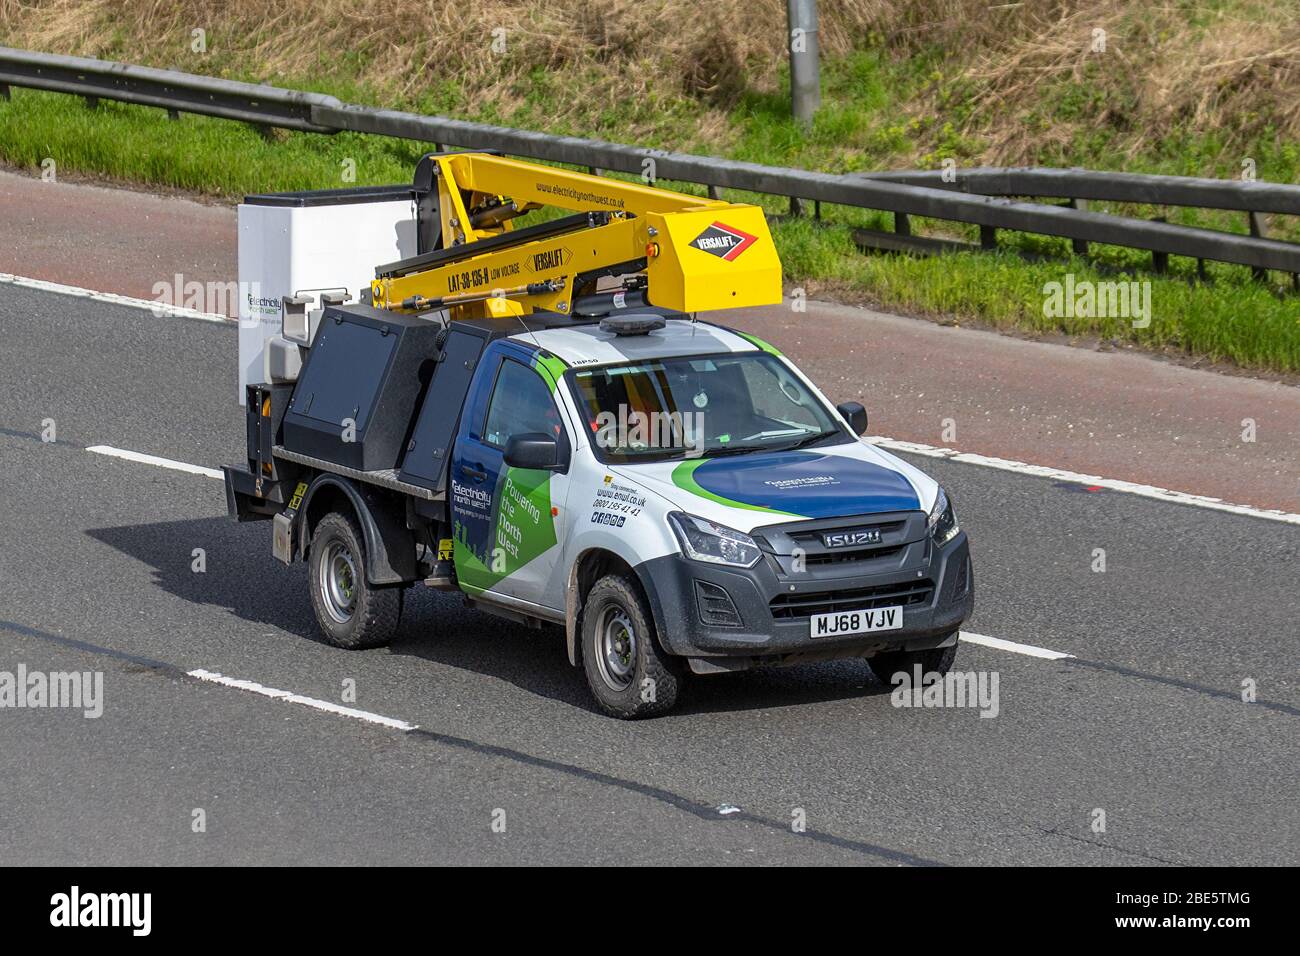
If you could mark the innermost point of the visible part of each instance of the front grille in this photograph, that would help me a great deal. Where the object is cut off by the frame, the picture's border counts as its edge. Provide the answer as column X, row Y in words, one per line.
column 847, row 557
column 814, row 536
column 816, row 554
column 907, row 594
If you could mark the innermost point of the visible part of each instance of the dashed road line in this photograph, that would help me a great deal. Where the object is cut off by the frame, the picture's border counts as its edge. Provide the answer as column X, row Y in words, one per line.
column 289, row 697
column 1113, row 484
column 144, row 459
column 1029, row 650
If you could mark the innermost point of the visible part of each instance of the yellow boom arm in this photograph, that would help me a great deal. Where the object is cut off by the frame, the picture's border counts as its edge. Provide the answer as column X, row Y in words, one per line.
column 697, row 254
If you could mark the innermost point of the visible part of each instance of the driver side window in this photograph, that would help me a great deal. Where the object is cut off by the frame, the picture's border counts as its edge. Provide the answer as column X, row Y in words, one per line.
column 521, row 402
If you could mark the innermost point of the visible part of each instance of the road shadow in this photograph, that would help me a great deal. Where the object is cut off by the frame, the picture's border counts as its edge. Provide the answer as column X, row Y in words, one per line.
column 243, row 578
column 239, row 573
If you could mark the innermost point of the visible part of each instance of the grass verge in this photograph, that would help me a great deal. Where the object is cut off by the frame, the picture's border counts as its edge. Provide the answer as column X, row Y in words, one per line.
column 1227, row 319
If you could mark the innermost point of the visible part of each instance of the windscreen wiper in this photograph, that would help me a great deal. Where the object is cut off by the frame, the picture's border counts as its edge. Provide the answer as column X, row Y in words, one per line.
column 736, row 450
column 791, row 446
column 810, row 440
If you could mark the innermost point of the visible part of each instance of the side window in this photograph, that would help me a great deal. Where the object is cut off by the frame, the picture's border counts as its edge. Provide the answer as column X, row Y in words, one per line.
column 521, row 402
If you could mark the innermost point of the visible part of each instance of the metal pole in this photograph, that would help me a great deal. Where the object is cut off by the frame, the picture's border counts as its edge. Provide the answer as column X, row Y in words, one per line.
column 805, row 74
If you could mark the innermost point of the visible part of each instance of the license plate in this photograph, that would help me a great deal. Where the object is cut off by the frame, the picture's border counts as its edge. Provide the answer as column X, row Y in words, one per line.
column 856, row 622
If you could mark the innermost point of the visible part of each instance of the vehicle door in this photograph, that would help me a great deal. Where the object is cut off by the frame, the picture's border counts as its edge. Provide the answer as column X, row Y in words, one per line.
column 507, row 522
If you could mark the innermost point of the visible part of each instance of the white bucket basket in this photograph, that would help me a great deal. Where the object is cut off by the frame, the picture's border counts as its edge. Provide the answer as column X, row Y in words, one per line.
column 309, row 243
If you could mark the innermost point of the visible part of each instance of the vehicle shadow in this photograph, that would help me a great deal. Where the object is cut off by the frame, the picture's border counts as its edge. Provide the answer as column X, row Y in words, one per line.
column 242, row 577
column 238, row 574
column 774, row 687
column 438, row 627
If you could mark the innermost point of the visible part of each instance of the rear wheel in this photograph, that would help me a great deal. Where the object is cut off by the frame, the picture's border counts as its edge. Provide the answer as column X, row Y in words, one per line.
column 936, row 660
column 628, row 673
column 352, row 612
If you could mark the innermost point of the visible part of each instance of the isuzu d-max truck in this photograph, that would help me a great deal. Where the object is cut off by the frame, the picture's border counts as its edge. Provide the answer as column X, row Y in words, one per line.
column 675, row 495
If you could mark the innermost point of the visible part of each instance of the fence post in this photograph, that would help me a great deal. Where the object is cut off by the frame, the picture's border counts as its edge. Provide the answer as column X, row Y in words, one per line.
column 1257, row 229
column 1159, row 260
column 1080, row 246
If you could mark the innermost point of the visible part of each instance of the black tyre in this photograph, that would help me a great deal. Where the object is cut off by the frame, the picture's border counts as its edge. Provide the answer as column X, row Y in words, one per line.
column 352, row 613
column 628, row 672
column 937, row 660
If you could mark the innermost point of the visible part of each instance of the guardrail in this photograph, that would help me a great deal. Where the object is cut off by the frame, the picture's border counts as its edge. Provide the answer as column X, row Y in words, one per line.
column 977, row 197
column 1085, row 184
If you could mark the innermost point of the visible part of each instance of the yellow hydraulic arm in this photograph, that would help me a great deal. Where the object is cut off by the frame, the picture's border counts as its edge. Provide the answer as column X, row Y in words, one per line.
column 696, row 254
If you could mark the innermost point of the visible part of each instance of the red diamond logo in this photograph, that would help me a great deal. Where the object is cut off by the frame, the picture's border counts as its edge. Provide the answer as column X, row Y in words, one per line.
column 725, row 242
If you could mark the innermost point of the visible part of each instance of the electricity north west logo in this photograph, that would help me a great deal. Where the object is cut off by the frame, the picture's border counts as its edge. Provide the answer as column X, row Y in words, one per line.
column 725, row 242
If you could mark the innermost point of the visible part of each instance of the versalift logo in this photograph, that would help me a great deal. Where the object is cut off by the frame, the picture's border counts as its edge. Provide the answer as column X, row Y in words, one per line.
column 725, row 242
column 75, row 908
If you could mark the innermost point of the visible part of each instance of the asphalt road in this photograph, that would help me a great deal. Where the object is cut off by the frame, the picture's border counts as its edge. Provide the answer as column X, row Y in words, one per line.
column 1146, row 722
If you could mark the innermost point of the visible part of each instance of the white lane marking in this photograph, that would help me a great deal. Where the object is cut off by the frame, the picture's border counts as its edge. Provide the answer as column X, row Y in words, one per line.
column 894, row 444
column 1114, row 484
column 998, row 643
column 160, row 309
column 290, row 698
column 154, row 460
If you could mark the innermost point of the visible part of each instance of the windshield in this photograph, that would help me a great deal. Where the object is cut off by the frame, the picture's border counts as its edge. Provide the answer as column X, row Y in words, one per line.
column 713, row 405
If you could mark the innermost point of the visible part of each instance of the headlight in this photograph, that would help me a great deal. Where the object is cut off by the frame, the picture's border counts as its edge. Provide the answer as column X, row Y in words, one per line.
column 717, row 544
column 942, row 521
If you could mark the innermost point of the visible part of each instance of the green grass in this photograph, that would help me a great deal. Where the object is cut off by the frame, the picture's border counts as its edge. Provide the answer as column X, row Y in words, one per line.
column 1231, row 318
column 211, row 156
column 1228, row 319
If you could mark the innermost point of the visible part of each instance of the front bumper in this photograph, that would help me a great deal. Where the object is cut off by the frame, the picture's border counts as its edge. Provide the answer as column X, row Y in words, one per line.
column 773, row 601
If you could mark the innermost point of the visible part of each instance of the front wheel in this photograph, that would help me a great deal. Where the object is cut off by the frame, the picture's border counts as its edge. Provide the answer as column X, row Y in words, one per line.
column 936, row 660
column 352, row 612
column 628, row 673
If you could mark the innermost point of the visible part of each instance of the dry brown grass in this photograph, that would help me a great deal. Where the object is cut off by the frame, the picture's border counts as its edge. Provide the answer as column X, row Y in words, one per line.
column 706, row 48
column 1238, row 74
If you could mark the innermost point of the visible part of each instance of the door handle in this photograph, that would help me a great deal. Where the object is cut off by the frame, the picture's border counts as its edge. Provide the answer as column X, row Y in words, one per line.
column 476, row 473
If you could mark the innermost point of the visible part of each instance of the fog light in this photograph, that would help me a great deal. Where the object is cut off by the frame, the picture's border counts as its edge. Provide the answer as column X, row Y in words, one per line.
column 715, row 605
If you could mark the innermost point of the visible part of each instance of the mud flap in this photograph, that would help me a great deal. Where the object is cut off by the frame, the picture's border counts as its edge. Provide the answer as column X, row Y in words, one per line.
column 285, row 524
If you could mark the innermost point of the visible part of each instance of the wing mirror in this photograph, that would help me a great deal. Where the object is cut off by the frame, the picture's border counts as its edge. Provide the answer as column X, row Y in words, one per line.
column 855, row 415
column 536, row 450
